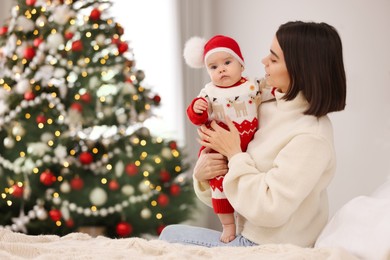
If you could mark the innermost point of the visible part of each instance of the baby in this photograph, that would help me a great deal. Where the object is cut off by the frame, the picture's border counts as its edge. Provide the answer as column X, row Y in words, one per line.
column 228, row 94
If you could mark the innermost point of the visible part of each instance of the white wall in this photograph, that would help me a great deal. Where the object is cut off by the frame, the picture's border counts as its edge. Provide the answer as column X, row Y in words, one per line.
column 362, row 131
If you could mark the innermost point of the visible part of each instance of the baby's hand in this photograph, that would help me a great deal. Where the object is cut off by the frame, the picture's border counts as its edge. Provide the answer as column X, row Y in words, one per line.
column 199, row 106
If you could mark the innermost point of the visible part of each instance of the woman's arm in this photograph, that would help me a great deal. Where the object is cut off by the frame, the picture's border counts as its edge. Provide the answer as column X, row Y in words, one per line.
column 303, row 166
column 208, row 166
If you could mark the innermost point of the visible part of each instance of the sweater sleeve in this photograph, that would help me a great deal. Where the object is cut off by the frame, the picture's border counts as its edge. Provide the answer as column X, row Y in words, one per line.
column 195, row 118
column 203, row 191
column 270, row 198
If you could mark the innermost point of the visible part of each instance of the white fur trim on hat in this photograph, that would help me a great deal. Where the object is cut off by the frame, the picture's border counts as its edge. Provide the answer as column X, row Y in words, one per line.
column 193, row 52
column 227, row 50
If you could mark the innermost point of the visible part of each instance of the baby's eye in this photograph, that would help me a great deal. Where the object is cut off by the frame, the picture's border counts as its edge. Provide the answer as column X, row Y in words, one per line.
column 227, row 62
column 213, row 67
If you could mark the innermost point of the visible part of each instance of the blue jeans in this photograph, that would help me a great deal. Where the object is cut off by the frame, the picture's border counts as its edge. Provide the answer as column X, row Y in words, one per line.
column 190, row 235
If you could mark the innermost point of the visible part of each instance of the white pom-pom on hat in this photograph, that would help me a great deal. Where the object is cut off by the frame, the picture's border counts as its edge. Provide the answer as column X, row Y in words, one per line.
column 193, row 52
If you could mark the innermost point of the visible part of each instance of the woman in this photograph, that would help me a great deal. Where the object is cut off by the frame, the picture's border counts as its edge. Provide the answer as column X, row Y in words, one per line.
column 278, row 186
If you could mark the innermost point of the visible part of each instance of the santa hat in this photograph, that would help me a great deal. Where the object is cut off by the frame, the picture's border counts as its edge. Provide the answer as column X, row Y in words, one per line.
column 197, row 50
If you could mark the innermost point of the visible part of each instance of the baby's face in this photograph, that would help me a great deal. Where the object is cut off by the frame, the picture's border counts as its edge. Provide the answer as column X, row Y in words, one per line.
column 224, row 70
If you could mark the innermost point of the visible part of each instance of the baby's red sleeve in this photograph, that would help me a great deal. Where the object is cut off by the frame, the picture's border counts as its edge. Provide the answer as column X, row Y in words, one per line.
column 195, row 118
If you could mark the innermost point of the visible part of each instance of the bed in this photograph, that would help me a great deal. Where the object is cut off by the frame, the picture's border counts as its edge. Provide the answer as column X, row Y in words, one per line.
column 82, row 246
column 359, row 230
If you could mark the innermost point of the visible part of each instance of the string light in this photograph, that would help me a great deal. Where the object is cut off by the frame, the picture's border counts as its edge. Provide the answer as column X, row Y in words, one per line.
column 175, row 153
column 157, row 160
column 143, row 155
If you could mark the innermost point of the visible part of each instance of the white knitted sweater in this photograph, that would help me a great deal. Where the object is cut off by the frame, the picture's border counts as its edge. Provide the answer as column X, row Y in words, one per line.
column 278, row 187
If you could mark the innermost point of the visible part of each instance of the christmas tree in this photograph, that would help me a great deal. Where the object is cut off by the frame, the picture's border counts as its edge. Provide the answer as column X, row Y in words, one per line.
column 74, row 150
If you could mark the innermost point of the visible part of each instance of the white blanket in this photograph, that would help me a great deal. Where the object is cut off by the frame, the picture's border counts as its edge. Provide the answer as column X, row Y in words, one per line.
column 362, row 226
column 81, row 246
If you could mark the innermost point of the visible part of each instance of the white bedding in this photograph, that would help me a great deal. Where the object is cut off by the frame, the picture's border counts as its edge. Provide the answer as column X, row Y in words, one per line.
column 81, row 246
column 359, row 230
column 362, row 226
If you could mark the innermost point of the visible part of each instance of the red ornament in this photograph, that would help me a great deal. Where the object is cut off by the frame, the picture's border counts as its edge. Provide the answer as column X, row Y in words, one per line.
column 55, row 214
column 85, row 158
column 165, row 176
column 159, row 229
column 86, row 97
column 41, row 119
column 173, row 145
column 47, row 178
column 115, row 40
column 17, row 191
column 3, row 30
column 122, row 47
column 131, row 169
column 37, row 42
column 157, row 99
column 29, row 95
column 163, row 200
column 69, row 223
column 77, row 45
column 95, row 14
column 68, row 35
column 77, row 183
column 113, row 185
column 77, row 106
column 29, row 53
column 175, row 190
column 124, row 229
column 30, row 2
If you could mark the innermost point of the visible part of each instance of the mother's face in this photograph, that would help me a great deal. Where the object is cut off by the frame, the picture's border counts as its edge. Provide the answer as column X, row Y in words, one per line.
column 275, row 68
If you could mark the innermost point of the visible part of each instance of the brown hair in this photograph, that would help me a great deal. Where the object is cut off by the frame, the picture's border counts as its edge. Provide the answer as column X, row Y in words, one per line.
column 314, row 59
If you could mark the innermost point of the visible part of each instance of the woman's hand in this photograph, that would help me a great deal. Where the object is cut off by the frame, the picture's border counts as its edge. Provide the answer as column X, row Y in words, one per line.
column 210, row 165
column 225, row 142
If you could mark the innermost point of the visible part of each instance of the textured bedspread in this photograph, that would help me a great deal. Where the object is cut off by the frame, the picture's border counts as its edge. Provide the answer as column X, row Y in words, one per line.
column 82, row 246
